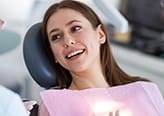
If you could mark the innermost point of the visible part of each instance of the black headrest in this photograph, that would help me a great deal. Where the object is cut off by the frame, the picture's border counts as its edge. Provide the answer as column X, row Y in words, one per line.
column 36, row 59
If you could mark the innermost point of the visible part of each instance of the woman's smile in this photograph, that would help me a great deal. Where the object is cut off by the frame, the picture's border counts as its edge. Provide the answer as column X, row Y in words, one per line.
column 75, row 54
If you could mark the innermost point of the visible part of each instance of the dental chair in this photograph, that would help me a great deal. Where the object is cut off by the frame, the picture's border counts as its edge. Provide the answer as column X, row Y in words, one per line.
column 33, row 50
column 37, row 61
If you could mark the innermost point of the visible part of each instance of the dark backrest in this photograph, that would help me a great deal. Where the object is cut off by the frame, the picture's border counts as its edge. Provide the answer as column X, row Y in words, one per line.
column 36, row 59
column 147, row 13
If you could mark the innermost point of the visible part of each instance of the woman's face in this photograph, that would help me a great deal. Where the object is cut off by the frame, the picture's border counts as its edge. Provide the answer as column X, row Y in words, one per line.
column 74, row 42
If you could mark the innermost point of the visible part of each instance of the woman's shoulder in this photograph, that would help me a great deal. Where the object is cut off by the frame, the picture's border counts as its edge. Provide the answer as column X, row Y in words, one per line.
column 139, row 85
column 143, row 84
column 149, row 88
column 53, row 93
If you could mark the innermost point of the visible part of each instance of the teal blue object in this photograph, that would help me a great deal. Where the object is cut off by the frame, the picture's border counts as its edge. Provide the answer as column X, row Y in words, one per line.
column 162, row 55
column 9, row 40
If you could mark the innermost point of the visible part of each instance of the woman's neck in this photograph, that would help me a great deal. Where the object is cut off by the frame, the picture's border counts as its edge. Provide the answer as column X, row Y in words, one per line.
column 88, row 79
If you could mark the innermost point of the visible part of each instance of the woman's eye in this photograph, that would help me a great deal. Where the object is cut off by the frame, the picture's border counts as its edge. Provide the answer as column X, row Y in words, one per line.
column 75, row 28
column 55, row 37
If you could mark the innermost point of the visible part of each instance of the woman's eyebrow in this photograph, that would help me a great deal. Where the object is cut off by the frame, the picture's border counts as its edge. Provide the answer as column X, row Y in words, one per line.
column 72, row 21
column 53, row 30
column 67, row 24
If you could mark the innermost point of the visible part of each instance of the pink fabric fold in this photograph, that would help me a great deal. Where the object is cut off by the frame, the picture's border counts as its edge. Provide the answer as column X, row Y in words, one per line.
column 135, row 99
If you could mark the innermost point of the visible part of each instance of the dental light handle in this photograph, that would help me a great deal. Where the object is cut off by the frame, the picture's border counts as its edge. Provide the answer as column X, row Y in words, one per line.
column 113, row 15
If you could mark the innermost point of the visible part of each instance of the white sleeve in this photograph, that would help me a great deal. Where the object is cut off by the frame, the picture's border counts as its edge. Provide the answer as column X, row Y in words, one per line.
column 11, row 103
column 16, row 107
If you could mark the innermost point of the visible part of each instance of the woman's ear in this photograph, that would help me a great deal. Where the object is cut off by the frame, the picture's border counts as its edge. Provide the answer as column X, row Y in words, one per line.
column 50, row 49
column 101, row 34
column 56, row 61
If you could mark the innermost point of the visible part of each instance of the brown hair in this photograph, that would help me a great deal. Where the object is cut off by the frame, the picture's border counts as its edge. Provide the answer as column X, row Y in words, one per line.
column 113, row 73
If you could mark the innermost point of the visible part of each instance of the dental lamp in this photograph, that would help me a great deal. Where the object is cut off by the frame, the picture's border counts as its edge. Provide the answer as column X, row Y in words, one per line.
column 109, row 14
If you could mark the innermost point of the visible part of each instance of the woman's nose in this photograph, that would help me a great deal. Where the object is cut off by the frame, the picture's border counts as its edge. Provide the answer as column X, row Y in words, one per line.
column 68, row 40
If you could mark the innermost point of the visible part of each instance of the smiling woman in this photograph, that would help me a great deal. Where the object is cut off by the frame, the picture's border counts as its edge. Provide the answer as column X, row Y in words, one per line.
column 78, row 47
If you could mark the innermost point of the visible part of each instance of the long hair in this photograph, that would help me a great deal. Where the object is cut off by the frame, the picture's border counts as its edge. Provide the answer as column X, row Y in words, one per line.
column 113, row 73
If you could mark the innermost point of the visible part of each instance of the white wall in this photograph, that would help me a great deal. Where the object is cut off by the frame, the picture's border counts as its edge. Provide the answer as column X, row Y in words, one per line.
column 15, row 10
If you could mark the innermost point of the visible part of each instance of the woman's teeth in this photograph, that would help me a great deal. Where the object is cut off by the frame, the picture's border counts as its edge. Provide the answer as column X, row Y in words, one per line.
column 74, row 53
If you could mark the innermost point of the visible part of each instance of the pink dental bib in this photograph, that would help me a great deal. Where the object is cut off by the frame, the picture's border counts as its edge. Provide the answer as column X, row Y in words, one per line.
column 135, row 99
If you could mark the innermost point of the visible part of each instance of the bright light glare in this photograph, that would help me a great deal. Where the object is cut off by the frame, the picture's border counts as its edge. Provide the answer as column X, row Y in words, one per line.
column 104, row 106
column 107, row 108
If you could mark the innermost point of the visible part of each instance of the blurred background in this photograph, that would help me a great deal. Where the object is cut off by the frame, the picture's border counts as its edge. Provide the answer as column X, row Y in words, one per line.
column 137, row 37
